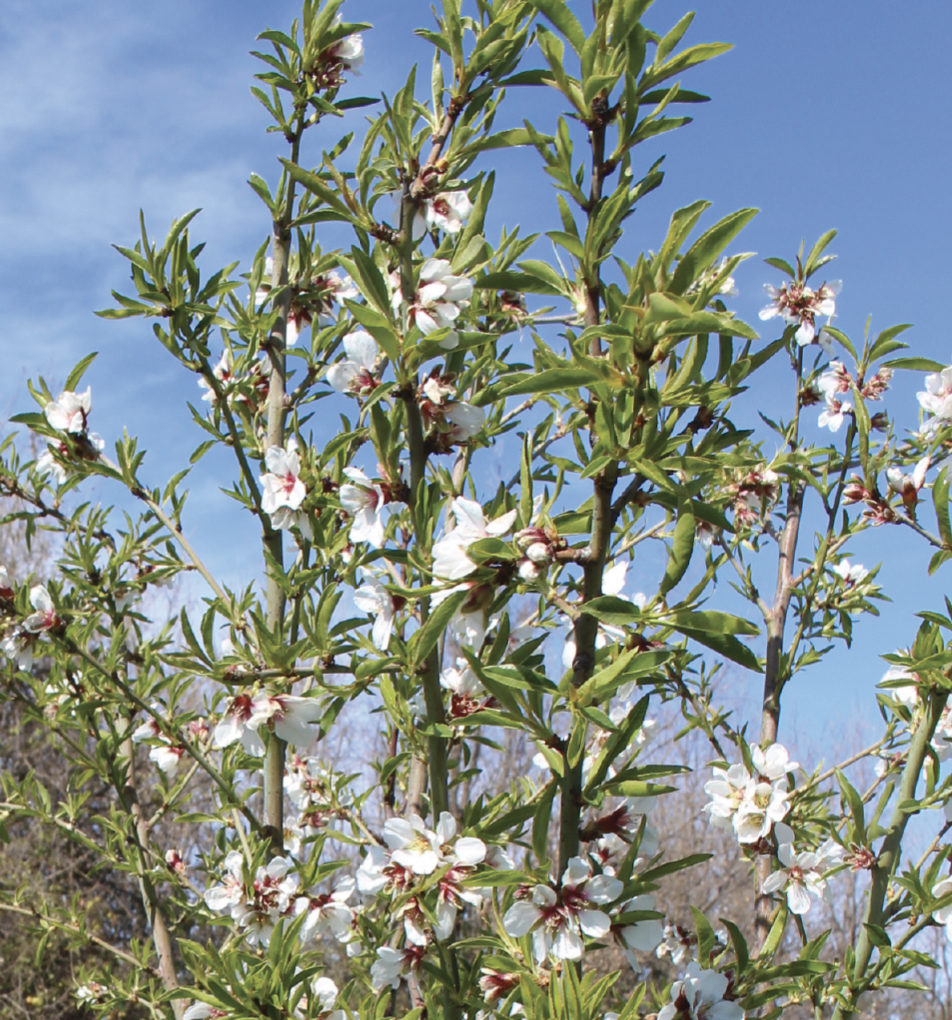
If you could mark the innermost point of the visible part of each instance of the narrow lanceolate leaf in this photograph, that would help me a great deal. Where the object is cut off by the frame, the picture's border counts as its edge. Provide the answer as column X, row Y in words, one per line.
column 611, row 609
column 708, row 247
column 617, row 743
column 679, row 556
column 72, row 380
column 940, row 500
column 558, row 12
column 425, row 639
column 551, row 380
column 716, row 631
column 606, row 680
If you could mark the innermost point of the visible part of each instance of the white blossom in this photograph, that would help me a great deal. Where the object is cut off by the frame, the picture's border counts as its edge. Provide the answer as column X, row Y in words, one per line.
column 799, row 305
column 446, row 211
column 373, row 598
column 355, row 374
column 943, row 915
column 557, row 920
column 936, row 399
column 363, row 500
column 69, row 412
column 283, row 492
column 450, row 561
column 699, row 995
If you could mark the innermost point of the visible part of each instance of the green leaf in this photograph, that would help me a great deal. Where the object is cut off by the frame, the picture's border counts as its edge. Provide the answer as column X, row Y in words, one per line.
column 940, row 500
column 541, row 823
column 550, row 380
column 855, row 803
column 616, row 744
column 558, row 12
column 682, row 547
column 813, row 260
column 877, row 935
column 716, row 631
column 611, row 609
column 602, row 683
column 740, row 945
column 783, row 266
column 523, row 283
column 72, row 380
column 369, row 279
column 705, row 250
column 775, row 934
column 916, row 364
column 706, row 939
column 425, row 639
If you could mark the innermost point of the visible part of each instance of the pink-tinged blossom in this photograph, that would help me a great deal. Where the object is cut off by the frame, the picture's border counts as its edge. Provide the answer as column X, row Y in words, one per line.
column 393, row 964
column 676, row 943
column 447, row 211
column 422, row 851
column 175, row 862
column 467, row 694
column 363, row 501
column 48, row 464
column 258, row 908
column 455, row 420
column 833, row 384
column 91, row 992
column 772, row 763
column 69, row 412
column 355, row 374
column 44, row 617
column 612, row 834
column 850, row 574
column 451, row 897
column 799, row 305
column 701, row 995
column 289, row 717
column 349, row 51
column 465, row 421
column 166, row 758
column 18, row 647
column 908, row 486
column 798, row 875
column 223, row 372
column 438, row 301
column 282, row 491
column 495, row 984
column 149, row 730
column 203, row 1011
column 936, row 400
column 373, row 598
column 309, row 784
column 328, row 913
column 557, row 919
column 231, row 890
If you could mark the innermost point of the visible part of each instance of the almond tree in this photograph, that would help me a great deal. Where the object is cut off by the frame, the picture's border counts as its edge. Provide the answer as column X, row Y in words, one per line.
column 451, row 560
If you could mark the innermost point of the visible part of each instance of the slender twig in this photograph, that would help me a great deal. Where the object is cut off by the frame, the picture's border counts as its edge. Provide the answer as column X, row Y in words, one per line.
column 851, row 760
column 81, row 930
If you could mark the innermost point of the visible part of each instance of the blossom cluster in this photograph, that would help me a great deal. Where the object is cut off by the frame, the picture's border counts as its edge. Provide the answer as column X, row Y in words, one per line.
column 751, row 802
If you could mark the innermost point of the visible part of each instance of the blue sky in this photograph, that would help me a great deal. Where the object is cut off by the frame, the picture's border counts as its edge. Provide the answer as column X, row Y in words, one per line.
column 823, row 115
